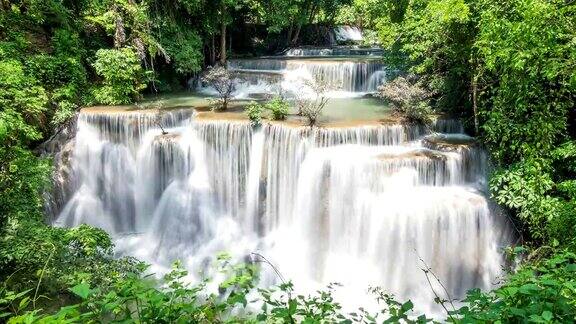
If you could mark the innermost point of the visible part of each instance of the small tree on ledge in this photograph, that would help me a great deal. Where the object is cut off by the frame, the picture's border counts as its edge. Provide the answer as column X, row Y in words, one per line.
column 221, row 80
column 159, row 117
column 408, row 99
column 312, row 107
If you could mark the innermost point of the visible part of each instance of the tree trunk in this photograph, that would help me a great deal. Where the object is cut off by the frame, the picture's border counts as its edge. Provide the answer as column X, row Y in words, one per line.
column 475, row 102
column 296, row 34
column 212, row 49
column 289, row 36
column 312, row 14
column 223, row 44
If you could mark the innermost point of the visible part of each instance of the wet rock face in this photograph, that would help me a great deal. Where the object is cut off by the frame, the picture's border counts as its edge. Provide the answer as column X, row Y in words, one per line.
column 449, row 142
column 474, row 158
column 56, row 143
column 59, row 148
column 413, row 155
column 167, row 137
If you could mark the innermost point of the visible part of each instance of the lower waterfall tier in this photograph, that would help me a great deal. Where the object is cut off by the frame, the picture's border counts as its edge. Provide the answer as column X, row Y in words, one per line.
column 360, row 205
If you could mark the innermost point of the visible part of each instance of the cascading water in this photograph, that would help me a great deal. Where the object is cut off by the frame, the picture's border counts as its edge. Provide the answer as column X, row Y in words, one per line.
column 335, row 51
column 348, row 77
column 348, row 34
column 355, row 205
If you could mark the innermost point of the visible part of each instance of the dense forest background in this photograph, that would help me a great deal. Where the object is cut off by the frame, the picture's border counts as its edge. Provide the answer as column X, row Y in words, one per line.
column 507, row 68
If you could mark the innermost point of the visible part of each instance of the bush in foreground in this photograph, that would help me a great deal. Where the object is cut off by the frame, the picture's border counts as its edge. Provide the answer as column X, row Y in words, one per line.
column 540, row 292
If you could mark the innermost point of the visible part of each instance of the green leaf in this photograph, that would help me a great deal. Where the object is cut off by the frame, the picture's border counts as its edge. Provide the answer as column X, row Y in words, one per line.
column 547, row 316
column 24, row 303
column 407, row 306
column 81, row 290
column 292, row 306
column 528, row 289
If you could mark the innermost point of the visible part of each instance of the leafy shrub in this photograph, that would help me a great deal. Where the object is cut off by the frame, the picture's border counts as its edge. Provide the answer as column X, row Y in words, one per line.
column 55, row 71
column 178, row 301
column 67, row 43
column 221, row 80
column 525, row 187
column 123, row 78
column 66, row 102
column 530, row 95
column 278, row 107
column 23, row 103
column 254, row 111
column 541, row 193
column 407, row 99
column 540, row 292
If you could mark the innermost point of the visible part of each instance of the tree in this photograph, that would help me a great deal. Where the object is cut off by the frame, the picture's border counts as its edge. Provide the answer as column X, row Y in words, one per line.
column 123, row 78
column 407, row 99
column 292, row 15
column 311, row 106
column 218, row 16
column 221, row 80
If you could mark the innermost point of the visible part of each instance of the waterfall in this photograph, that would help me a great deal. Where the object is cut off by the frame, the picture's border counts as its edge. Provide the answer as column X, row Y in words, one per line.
column 335, row 51
column 348, row 33
column 356, row 205
column 347, row 78
column 310, row 52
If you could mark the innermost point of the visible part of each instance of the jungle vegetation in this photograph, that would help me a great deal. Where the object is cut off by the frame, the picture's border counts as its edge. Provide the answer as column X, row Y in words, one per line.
column 508, row 68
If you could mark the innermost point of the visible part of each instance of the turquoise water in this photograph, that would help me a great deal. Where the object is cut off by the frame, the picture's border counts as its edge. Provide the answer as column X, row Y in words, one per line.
column 337, row 109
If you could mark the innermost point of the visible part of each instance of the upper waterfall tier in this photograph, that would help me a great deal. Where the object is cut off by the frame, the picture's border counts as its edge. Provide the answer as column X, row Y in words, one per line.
column 324, row 204
column 334, row 51
column 348, row 33
column 345, row 76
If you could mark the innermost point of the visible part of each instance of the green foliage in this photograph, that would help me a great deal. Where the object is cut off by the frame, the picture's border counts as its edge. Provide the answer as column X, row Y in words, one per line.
column 433, row 40
column 23, row 104
column 365, row 13
column 526, row 187
column 254, row 111
column 185, row 50
column 541, row 292
column 528, row 49
column 122, row 76
column 23, row 177
column 526, row 109
column 408, row 100
column 510, row 67
column 64, row 77
column 278, row 107
column 135, row 297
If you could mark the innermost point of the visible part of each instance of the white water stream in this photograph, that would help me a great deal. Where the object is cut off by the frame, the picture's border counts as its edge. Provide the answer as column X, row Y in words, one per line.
column 348, row 77
column 357, row 205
